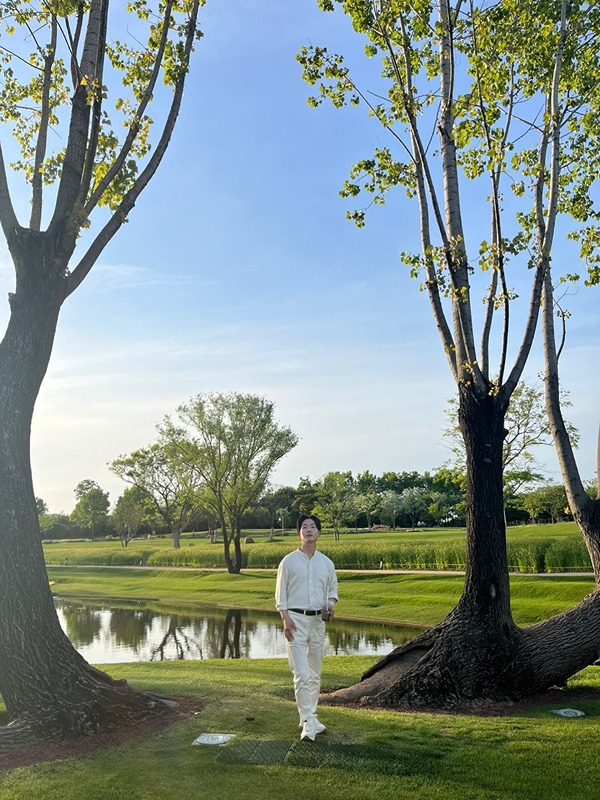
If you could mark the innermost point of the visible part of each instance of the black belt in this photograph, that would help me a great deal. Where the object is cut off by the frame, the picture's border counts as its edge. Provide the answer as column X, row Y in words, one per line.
column 306, row 611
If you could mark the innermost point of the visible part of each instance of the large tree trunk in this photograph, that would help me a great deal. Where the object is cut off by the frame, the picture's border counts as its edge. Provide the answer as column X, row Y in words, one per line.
column 477, row 655
column 237, row 547
column 227, row 547
column 176, row 534
column 234, row 565
column 49, row 690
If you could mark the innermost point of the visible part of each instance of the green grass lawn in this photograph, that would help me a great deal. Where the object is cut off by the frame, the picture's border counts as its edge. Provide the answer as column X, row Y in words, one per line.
column 418, row 599
column 366, row 755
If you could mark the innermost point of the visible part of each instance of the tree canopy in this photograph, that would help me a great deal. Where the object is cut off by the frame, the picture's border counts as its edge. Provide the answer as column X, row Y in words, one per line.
column 232, row 443
column 170, row 487
column 91, row 510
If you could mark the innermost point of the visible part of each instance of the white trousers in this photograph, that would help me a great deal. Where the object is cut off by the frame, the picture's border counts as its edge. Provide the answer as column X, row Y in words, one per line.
column 305, row 656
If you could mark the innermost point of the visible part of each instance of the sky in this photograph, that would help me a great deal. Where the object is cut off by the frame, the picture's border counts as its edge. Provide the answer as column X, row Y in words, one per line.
column 237, row 271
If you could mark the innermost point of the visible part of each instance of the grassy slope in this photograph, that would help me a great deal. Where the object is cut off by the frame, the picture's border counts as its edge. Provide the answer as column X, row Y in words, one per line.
column 419, row 599
column 531, row 755
column 418, row 756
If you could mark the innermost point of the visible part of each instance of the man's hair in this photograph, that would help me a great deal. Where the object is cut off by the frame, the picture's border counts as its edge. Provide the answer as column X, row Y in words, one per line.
column 303, row 517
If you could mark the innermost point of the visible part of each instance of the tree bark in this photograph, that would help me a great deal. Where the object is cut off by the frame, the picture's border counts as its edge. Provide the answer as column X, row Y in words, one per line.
column 49, row 690
column 176, row 534
column 237, row 549
column 230, row 563
column 477, row 655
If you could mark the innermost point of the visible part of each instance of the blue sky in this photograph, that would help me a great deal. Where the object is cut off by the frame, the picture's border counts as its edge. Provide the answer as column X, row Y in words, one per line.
column 238, row 271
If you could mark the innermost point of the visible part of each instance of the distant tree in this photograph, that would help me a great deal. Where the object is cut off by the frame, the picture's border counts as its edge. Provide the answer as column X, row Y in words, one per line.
column 413, row 502
column 335, row 493
column 438, row 507
column 232, row 443
column 448, row 480
column 91, row 509
column 389, row 504
column 527, row 427
column 546, row 503
column 129, row 513
column 399, row 481
column 277, row 502
column 74, row 97
column 306, row 497
column 256, row 517
column 367, row 496
column 41, row 506
column 203, row 520
column 171, row 487
column 57, row 526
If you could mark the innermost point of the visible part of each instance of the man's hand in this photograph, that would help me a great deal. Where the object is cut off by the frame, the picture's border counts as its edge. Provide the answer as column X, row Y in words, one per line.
column 327, row 613
column 288, row 627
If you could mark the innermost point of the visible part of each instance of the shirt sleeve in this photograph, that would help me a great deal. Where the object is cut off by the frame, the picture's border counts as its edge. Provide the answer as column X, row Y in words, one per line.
column 332, row 585
column 281, row 602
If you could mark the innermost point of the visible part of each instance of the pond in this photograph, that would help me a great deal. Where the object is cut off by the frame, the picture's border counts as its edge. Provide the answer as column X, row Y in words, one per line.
column 115, row 632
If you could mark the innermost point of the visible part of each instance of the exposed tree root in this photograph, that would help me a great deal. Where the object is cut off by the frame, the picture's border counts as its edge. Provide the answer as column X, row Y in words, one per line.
column 100, row 715
column 34, row 752
column 375, row 682
column 468, row 663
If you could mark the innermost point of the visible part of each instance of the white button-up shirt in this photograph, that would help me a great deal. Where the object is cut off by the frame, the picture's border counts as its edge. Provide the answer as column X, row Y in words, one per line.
column 304, row 582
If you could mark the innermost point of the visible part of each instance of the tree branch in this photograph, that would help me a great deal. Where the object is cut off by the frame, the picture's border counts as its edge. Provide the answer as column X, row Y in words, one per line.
column 529, row 332
column 74, row 45
column 70, row 182
column 545, row 222
column 8, row 218
column 129, row 200
column 135, row 125
column 455, row 250
column 556, row 128
column 423, row 179
column 576, row 494
column 88, row 169
column 497, row 240
column 37, row 181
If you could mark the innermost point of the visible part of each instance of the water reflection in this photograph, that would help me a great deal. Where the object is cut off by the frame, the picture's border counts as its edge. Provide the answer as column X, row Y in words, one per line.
column 135, row 632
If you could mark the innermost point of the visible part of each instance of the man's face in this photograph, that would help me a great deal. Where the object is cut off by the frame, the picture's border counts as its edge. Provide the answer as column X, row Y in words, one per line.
column 308, row 531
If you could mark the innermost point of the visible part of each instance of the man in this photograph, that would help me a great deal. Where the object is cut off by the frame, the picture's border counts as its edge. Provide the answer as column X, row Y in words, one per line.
column 305, row 596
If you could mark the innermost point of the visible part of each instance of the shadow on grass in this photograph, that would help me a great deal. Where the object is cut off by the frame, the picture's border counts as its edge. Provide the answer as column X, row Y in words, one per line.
column 377, row 757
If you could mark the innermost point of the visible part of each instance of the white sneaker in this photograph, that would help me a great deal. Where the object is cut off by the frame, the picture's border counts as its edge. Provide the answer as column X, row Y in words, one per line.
column 308, row 729
column 319, row 727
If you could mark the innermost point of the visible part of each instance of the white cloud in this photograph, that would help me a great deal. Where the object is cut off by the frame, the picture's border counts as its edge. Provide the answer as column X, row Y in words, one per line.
column 107, row 278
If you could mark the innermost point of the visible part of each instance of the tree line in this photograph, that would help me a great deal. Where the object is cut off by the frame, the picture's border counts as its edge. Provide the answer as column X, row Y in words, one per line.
column 427, row 499
column 210, row 471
